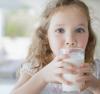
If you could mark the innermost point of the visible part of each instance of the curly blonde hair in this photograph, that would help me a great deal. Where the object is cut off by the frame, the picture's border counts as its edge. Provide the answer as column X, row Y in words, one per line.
column 39, row 51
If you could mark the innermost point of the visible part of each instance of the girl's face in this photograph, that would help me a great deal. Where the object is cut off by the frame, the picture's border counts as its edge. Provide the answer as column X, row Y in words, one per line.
column 68, row 28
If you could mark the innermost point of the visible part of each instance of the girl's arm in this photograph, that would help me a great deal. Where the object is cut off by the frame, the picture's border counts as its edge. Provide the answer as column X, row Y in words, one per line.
column 29, row 85
column 52, row 72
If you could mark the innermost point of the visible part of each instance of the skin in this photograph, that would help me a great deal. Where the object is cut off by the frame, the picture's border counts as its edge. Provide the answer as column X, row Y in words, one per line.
column 68, row 28
column 73, row 33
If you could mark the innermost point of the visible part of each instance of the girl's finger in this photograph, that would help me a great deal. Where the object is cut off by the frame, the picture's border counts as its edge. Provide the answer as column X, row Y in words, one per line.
column 83, row 86
column 63, row 81
column 84, row 78
column 61, row 57
column 60, row 71
column 84, row 71
column 83, row 83
column 59, row 64
column 85, row 65
column 71, row 69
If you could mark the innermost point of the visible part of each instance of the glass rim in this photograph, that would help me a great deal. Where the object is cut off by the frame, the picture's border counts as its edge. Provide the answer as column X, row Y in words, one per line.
column 71, row 50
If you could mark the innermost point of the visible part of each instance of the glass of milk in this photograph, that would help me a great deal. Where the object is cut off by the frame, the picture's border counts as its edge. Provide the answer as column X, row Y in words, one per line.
column 76, row 57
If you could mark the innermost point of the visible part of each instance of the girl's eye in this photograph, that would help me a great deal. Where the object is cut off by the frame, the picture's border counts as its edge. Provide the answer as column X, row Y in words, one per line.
column 80, row 30
column 60, row 30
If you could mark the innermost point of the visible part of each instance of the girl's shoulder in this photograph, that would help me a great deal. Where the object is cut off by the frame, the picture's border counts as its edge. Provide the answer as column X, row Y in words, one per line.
column 28, row 68
column 97, row 63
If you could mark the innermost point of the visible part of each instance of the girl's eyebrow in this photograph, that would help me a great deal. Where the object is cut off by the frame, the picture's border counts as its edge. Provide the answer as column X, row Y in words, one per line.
column 83, row 25
column 63, row 25
column 59, row 25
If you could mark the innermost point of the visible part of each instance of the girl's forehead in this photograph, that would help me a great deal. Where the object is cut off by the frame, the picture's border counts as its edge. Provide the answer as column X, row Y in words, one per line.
column 69, row 14
column 68, row 8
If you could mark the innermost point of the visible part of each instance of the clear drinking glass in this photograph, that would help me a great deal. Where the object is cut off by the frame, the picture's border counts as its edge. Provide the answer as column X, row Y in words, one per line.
column 76, row 57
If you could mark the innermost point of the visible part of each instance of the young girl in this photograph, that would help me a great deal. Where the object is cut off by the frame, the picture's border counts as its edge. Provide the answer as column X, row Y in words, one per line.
column 64, row 24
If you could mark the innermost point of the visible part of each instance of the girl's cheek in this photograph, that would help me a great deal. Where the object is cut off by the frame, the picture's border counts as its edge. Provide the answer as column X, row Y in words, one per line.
column 82, row 43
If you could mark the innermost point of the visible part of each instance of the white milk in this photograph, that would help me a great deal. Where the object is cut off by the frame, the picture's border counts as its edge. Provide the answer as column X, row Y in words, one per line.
column 76, row 58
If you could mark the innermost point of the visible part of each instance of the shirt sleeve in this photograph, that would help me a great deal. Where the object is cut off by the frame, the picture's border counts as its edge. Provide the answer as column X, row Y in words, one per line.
column 97, row 61
column 28, row 68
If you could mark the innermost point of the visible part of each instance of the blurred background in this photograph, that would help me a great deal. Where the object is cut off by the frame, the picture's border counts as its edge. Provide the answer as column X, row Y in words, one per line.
column 17, row 21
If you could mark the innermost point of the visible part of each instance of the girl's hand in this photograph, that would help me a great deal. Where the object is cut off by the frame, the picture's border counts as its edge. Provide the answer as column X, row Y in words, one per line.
column 54, row 70
column 86, row 79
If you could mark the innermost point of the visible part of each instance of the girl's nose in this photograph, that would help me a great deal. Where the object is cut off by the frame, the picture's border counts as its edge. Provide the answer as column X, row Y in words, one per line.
column 71, row 41
column 70, row 44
